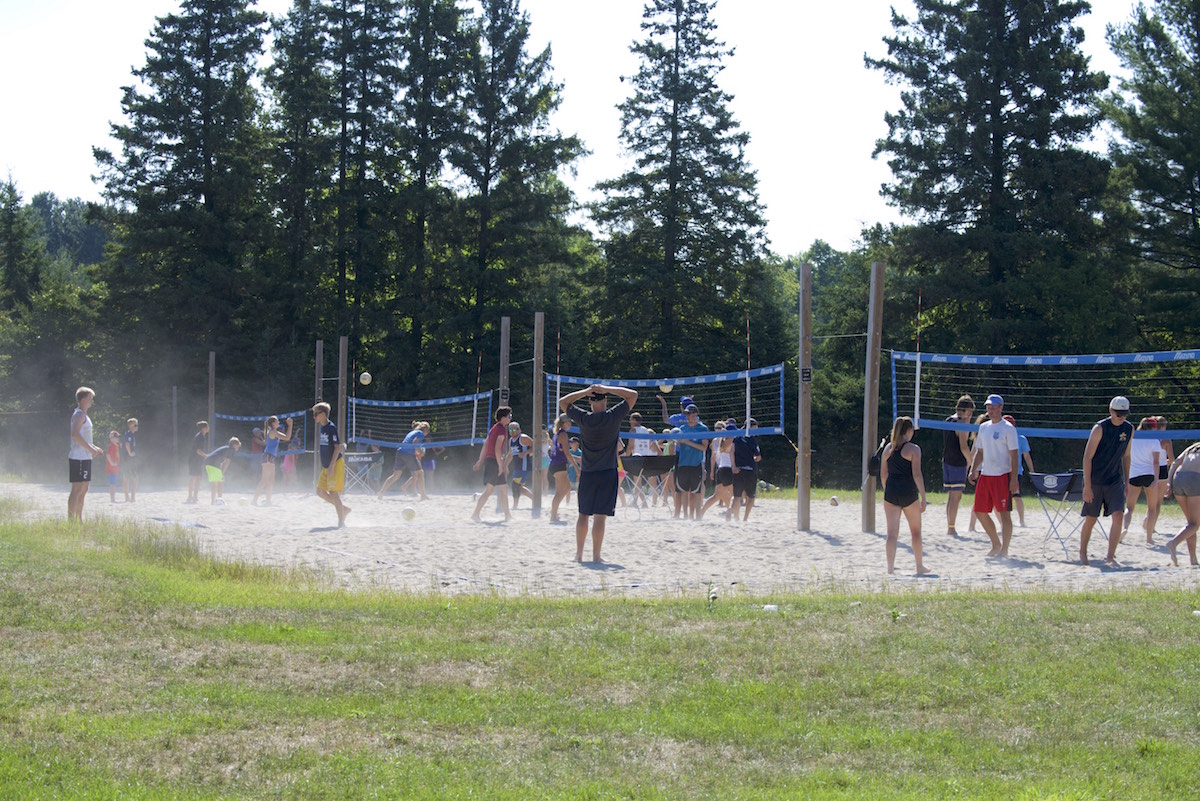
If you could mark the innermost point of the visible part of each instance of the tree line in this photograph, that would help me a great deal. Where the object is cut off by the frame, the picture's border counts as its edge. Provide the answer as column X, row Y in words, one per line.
column 394, row 174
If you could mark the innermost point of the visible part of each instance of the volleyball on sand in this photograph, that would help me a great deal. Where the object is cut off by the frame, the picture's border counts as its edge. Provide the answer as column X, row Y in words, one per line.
column 408, row 513
column 364, row 378
column 833, row 501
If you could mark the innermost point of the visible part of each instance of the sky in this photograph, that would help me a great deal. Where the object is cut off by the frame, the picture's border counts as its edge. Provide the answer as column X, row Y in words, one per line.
column 799, row 87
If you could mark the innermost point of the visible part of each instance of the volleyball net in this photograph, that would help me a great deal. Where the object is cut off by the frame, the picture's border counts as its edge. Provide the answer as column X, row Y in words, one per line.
column 461, row 420
column 1051, row 396
column 242, row 426
column 755, row 394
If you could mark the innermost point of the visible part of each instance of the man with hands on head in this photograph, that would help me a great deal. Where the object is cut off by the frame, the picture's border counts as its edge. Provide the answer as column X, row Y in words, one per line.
column 599, row 434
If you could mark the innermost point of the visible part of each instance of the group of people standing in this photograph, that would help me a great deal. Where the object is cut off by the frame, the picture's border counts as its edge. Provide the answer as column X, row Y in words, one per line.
column 1116, row 469
column 604, row 458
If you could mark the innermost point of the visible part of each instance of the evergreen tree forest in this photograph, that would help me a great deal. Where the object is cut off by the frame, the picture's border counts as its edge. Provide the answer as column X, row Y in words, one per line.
column 391, row 171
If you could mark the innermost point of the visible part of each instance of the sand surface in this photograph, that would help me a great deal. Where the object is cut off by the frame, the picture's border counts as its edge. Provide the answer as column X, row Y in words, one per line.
column 648, row 553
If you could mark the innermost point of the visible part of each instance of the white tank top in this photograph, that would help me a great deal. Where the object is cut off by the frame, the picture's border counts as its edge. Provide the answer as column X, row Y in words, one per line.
column 78, row 452
column 724, row 459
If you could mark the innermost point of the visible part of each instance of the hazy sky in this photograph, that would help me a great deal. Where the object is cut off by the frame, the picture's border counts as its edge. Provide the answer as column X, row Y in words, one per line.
column 798, row 82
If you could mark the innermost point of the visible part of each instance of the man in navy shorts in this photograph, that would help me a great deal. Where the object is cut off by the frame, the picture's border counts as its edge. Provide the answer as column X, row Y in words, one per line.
column 955, row 453
column 1105, row 467
column 599, row 432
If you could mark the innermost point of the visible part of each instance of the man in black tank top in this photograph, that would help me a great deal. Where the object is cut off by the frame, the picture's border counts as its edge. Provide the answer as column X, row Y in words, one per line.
column 1105, row 468
column 955, row 453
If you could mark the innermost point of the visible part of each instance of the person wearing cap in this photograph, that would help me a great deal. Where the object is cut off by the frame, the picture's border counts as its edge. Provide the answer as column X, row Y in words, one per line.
column 994, row 472
column 746, row 456
column 679, row 418
column 1145, row 458
column 1024, row 458
column 689, row 469
column 600, row 434
column 1105, row 465
column 956, row 452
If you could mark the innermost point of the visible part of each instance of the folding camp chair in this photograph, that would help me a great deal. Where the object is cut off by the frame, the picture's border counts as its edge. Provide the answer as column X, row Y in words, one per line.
column 1061, row 497
column 358, row 470
column 639, row 470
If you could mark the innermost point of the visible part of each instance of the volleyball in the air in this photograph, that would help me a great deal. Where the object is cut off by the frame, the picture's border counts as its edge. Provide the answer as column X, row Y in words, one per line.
column 664, row 388
column 408, row 513
column 364, row 378
column 833, row 501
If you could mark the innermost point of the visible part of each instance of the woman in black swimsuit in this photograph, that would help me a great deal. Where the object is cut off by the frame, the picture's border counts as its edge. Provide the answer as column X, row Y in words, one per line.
column 903, row 490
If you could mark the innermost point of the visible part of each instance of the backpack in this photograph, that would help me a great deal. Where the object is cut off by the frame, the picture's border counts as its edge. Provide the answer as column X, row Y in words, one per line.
column 876, row 461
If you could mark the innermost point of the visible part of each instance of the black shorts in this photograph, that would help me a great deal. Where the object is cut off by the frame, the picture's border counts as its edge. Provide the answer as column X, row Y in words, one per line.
column 555, row 469
column 268, row 458
column 745, row 482
column 196, row 467
column 79, row 470
column 725, row 476
column 1142, row 481
column 1164, row 470
column 689, row 478
column 407, row 460
column 1106, row 498
column 492, row 475
column 598, row 493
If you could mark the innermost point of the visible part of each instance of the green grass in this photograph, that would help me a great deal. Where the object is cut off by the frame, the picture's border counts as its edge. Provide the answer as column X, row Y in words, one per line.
column 132, row 665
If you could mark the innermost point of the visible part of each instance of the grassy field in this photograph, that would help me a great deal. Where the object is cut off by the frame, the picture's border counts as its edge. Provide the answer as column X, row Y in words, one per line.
column 133, row 666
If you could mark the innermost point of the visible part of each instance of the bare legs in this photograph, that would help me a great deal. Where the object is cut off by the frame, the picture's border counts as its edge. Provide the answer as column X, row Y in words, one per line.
column 599, row 522
column 912, row 513
column 75, row 500
column 335, row 498
column 1191, row 509
column 999, row 543
column 952, row 512
column 483, row 496
column 562, row 488
column 265, row 484
column 1114, row 537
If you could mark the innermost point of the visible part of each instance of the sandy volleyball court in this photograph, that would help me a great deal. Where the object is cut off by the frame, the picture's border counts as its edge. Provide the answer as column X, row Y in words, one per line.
column 441, row 551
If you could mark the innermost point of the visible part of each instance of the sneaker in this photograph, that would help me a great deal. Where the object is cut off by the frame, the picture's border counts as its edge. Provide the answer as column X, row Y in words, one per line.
column 219, row 502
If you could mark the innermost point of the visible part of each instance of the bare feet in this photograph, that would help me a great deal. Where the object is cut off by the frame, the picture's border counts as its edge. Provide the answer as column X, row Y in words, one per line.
column 1111, row 561
column 1083, row 560
column 993, row 553
column 1171, row 551
column 923, row 571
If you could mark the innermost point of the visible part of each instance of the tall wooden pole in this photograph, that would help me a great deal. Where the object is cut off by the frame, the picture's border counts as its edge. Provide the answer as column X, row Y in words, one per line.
column 539, row 413
column 871, row 394
column 343, row 353
column 505, row 328
column 318, row 396
column 212, row 400
column 804, row 423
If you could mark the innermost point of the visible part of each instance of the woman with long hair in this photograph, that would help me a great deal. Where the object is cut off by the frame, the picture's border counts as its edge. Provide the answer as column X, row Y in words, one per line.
column 1184, row 481
column 560, row 459
column 903, row 490
column 266, row 484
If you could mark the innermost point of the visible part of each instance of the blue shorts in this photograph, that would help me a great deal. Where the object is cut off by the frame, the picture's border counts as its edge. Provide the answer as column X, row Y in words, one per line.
column 598, row 492
column 954, row 478
column 114, row 479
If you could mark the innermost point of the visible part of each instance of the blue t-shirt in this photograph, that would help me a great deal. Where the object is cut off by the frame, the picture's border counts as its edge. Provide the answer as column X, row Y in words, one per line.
column 130, row 449
column 414, row 437
column 328, row 441
column 1023, row 445
column 598, row 435
column 689, row 456
column 219, row 455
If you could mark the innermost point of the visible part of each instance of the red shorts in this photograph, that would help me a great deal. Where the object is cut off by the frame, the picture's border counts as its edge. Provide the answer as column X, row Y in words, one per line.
column 991, row 492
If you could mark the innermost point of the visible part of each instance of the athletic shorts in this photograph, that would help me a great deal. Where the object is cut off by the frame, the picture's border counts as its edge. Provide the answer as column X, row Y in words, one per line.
column 991, row 492
column 333, row 478
column 954, row 477
column 519, row 477
column 689, row 479
column 724, row 476
column 598, row 493
column 268, row 458
column 129, row 467
column 492, row 476
column 1141, row 481
column 79, row 471
column 196, row 467
column 555, row 469
column 114, row 479
column 1164, row 470
column 1186, row 483
column 745, row 482
column 215, row 476
column 406, row 460
column 1106, row 498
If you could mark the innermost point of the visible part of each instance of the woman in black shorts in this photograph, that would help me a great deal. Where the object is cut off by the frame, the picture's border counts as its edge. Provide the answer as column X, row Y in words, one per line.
column 903, row 490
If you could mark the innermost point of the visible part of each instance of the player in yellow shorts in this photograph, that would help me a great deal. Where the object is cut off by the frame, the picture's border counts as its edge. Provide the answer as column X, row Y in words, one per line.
column 332, row 479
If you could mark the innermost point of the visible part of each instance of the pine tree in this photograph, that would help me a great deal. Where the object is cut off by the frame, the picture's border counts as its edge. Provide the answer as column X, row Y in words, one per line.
column 515, row 205
column 986, row 154
column 188, row 178
column 22, row 250
column 1157, row 113
column 685, row 227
